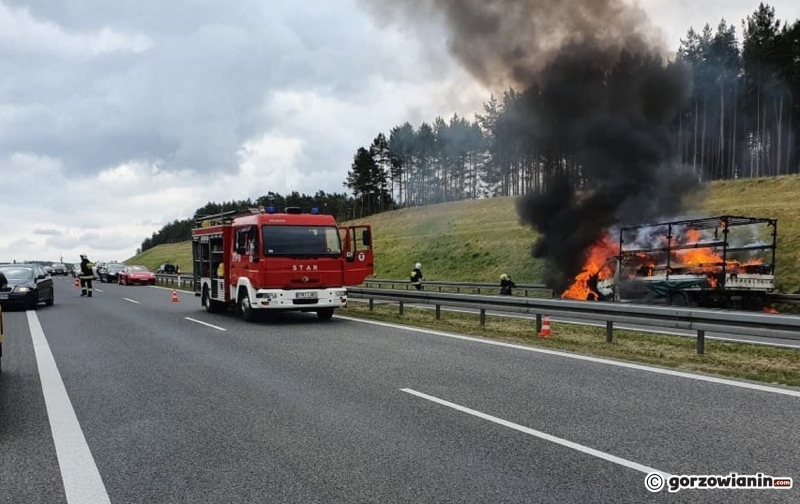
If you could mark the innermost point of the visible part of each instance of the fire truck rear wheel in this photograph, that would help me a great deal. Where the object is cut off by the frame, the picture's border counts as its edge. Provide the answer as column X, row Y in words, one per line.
column 210, row 305
column 325, row 313
column 244, row 307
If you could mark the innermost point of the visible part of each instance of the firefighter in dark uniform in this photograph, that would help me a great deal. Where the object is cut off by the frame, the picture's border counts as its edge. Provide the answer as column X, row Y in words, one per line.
column 416, row 276
column 506, row 284
column 87, row 275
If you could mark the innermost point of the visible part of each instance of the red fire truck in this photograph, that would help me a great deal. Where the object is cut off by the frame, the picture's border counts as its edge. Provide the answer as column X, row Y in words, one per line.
column 259, row 260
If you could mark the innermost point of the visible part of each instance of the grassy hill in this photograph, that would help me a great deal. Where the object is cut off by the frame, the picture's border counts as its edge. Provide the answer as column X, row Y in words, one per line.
column 479, row 240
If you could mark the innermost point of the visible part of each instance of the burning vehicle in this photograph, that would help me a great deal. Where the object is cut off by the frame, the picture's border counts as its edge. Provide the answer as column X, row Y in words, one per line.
column 714, row 262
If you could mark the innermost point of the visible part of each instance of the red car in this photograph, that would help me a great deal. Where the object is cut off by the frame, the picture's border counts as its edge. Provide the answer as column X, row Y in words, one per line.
column 136, row 275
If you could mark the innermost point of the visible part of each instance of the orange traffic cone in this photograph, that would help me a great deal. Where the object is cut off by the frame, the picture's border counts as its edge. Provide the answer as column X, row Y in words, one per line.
column 76, row 283
column 545, row 332
column 175, row 296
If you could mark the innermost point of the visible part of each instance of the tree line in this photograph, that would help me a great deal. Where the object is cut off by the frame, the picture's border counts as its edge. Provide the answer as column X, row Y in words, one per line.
column 340, row 205
column 742, row 119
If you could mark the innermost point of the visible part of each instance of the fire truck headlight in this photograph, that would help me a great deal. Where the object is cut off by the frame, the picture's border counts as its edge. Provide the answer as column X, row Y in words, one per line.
column 341, row 293
column 267, row 295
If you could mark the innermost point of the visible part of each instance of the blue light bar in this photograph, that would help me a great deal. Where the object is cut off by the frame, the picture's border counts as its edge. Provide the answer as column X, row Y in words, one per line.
column 270, row 209
column 315, row 210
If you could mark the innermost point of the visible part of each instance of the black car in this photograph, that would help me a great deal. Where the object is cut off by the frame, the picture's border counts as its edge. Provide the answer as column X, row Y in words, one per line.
column 59, row 269
column 169, row 269
column 28, row 285
column 110, row 272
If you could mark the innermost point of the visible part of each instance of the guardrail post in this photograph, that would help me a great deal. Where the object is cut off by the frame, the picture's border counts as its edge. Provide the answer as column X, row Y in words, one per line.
column 438, row 312
column 701, row 341
column 609, row 331
column 400, row 310
column 483, row 316
column 538, row 323
column 371, row 304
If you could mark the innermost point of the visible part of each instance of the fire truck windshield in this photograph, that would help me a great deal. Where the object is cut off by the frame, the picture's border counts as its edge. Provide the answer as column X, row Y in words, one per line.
column 306, row 241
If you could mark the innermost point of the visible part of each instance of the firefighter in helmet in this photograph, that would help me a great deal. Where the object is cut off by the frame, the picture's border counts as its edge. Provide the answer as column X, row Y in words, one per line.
column 506, row 284
column 416, row 276
column 87, row 275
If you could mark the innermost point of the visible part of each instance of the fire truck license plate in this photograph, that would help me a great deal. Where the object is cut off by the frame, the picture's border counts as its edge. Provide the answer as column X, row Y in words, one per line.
column 306, row 295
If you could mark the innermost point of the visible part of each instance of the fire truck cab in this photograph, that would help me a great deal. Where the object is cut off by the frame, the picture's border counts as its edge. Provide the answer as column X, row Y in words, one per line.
column 259, row 260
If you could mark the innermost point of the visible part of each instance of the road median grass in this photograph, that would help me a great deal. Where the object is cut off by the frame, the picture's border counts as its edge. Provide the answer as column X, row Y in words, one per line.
column 734, row 360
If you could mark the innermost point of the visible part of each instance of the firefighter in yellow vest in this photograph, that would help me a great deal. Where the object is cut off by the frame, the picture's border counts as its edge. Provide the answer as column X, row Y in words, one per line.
column 87, row 275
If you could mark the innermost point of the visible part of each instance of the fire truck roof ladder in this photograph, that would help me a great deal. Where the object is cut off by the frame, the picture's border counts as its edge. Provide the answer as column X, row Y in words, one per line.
column 217, row 219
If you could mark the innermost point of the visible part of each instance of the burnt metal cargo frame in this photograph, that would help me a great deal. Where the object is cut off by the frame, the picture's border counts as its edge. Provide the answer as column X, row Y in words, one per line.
column 724, row 222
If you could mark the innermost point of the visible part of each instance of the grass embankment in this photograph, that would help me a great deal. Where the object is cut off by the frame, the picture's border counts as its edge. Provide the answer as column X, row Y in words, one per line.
column 479, row 240
column 179, row 254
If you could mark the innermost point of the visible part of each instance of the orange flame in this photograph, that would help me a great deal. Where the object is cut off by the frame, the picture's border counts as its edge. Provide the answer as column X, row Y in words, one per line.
column 769, row 309
column 705, row 260
column 596, row 265
column 700, row 260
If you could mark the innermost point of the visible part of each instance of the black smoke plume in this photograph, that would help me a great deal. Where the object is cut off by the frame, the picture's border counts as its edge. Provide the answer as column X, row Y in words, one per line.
column 600, row 104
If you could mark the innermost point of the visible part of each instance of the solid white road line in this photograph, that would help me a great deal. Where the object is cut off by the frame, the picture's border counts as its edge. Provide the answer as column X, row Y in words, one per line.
column 641, row 367
column 218, row 328
column 131, row 300
column 82, row 481
column 541, row 435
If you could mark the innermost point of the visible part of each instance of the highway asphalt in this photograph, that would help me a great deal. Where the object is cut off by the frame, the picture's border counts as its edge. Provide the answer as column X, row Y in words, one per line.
column 131, row 398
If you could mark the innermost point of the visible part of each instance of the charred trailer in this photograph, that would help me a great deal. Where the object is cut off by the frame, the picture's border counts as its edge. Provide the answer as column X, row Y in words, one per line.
column 715, row 262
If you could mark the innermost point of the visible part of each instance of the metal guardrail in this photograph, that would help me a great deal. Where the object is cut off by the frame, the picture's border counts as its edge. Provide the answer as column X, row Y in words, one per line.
column 525, row 289
column 182, row 281
column 784, row 298
column 538, row 290
column 692, row 319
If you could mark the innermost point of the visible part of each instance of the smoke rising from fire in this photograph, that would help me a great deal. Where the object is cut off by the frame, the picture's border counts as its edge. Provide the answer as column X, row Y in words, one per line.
column 508, row 42
column 599, row 105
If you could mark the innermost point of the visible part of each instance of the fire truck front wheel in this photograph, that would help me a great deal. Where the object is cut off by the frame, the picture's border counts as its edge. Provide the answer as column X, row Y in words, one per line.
column 325, row 313
column 248, row 314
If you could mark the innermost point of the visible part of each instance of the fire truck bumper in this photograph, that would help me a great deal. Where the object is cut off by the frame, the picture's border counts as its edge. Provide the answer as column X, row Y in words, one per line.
column 300, row 299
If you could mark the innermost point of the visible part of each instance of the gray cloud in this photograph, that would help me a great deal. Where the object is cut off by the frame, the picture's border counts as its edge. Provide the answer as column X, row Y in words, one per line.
column 128, row 114
column 172, row 81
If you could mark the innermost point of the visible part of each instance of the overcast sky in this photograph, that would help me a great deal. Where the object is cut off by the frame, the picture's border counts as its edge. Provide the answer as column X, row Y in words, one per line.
column 117, row 117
